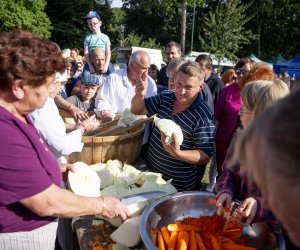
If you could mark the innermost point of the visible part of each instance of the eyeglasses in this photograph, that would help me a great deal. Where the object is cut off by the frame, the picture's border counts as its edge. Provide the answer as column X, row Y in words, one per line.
column 242, row 112
column 241, row 71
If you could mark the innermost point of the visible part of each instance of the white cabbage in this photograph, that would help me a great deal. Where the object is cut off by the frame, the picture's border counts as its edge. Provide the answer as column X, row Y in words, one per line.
column 104, row 174
column 127, row 118
column 169, row 127
column 153, row 186
column 150, row 176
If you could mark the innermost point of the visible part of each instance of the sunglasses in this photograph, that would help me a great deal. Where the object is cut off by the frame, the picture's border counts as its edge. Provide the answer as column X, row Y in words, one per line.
column 241, row 71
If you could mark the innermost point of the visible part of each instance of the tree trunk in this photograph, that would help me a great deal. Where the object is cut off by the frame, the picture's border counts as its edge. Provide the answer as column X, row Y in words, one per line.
column 183, row 25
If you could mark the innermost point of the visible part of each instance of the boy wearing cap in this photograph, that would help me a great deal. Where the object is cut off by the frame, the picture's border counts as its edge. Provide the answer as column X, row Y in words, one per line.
column 85, row 100
column 96, row 40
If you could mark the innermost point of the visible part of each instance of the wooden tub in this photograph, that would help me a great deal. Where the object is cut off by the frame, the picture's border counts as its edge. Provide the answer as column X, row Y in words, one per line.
column 125, row 147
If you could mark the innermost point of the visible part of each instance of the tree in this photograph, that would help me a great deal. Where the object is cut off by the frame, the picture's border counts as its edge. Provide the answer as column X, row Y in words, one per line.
column 277, row 26
column 25, row 14
column 224, row 32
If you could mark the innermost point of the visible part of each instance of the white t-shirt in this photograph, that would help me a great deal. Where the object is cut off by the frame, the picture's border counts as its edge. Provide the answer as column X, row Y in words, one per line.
column 53, row 130
column 117, row 92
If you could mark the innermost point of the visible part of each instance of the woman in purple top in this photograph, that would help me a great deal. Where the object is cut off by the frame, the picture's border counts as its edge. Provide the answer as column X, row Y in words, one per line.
column 226, row 112
column 31, row 197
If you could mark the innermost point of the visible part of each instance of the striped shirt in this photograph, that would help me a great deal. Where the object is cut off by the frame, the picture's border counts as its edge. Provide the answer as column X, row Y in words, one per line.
column 198, row 127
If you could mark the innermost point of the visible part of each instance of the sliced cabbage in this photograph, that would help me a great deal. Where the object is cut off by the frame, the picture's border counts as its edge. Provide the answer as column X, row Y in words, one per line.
column 104, row 174
column 127, row 118
column 153, row 186
column 150, row 176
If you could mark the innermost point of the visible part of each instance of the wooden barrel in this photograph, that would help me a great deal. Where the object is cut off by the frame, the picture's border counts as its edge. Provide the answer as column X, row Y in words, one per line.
column 124, row 147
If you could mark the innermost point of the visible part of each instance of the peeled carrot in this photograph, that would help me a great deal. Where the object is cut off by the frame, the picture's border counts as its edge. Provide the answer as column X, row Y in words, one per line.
column 214, row 243
column 233, row 246
column 200, row 243
column 182, row 227
column 165, row 234
column 192, row 243
column 183, row 240
column 173, row 240
column 161, row 243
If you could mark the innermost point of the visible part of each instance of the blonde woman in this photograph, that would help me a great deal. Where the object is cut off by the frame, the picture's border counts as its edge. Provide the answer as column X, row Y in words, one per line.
column 233, row 184
column 269, row 152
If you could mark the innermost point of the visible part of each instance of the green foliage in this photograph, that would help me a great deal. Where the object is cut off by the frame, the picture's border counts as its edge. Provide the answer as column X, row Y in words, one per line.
column 223, row 29
column 25, row 14
column 137, row 40
column 276, row 22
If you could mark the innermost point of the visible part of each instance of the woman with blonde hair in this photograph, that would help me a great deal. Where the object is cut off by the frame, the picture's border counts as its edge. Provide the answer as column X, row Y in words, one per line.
column 269, row 152
column 233, row 184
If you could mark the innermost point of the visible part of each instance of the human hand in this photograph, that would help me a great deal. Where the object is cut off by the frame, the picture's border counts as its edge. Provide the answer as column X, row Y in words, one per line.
column 172, row 147
column 224, row 200
column 91, row 124
column 113, row 207
column 105, row 115
column 67, row 167
column 247, row 210
column 141, row 84
column 78, row 114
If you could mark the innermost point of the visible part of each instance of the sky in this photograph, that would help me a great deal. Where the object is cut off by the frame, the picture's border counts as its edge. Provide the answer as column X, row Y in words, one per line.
column 116, row 3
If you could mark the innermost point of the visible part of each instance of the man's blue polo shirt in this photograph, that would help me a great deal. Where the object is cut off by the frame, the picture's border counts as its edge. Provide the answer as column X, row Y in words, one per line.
column 198, row 127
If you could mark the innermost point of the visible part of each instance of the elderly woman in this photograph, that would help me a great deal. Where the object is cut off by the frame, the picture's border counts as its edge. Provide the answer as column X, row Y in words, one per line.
column 233, row 184
column 270, row 155
column 31, row 197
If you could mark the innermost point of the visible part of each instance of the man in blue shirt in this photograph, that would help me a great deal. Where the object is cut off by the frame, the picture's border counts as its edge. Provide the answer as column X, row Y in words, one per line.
column 184, row 164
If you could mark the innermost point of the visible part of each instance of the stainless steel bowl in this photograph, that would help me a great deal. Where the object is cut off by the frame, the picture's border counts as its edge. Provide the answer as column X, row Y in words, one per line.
column 193, row 204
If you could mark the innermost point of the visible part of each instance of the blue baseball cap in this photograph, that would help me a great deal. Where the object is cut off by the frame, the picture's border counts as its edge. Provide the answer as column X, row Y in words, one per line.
column 92, row 14
column 90, row 79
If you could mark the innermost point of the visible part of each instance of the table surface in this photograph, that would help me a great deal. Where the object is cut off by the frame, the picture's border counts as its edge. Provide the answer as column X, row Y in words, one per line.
column 90, row 234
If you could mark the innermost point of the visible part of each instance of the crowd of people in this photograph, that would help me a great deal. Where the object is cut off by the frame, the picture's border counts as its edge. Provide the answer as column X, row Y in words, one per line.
column 244, row 123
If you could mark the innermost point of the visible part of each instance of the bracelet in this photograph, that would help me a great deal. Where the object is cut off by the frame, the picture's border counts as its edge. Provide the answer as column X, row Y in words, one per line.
column 103, row 205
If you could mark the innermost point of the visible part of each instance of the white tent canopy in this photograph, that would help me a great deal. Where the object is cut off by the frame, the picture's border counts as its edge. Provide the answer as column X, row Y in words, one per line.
column 225, row 62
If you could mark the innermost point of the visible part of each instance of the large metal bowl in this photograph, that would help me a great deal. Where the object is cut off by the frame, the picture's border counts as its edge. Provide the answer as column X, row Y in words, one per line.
column 195, row 204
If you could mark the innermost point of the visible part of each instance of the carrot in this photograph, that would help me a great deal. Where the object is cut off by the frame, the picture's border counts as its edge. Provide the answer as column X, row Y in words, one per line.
column 192, row 243
column 233, row 246
column 200, row 243
column 166, row 234
column 183, row 240
column 214, row 243
column 173, row 240
column 161, row 243
column 182, row 227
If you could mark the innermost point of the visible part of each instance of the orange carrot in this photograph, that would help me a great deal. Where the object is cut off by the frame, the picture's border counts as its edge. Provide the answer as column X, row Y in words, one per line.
column 214, row 243
column 161, row 243
column 173, row 240
column 233, row 246
column 182, row 227
column 192, row 243
column 166, row 234
column 183, row 240
column 200, row 243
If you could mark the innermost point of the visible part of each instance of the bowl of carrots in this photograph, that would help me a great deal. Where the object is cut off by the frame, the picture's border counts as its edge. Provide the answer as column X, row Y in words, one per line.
column 186, row 221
